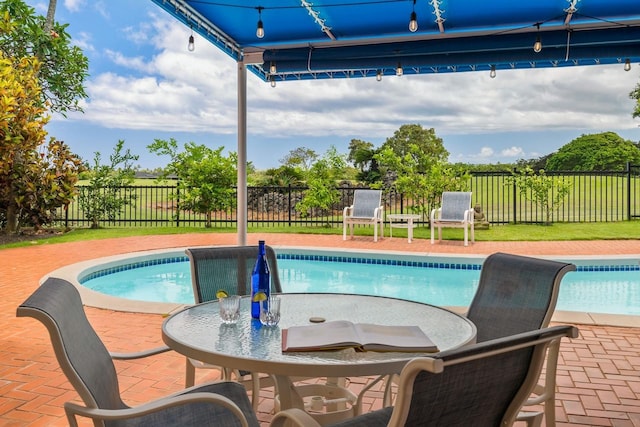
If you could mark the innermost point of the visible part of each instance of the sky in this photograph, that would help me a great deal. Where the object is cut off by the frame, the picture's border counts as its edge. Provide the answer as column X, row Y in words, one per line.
column 144, row 85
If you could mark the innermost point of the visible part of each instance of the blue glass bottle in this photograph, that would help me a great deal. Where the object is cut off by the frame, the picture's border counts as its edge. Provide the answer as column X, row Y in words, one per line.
column 260, row 279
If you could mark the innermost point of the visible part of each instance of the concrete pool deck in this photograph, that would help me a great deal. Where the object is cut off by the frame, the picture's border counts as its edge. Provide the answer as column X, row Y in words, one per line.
column 598, row 374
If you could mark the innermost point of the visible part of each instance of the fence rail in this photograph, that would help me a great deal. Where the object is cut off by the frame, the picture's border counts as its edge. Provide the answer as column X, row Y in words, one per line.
column 594, row 197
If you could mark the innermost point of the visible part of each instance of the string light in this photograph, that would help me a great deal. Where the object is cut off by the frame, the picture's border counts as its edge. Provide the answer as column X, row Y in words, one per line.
column 627, row 64
column 260, row 27
column 399, row 70
column 537, row 46
column 191, row 46
column 492, row 73
column 379, row 75
column 413, row 21
column 272, row 80
column 272, row 68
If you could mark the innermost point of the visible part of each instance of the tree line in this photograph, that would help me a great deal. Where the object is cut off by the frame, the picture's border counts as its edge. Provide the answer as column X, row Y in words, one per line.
column 42, row 72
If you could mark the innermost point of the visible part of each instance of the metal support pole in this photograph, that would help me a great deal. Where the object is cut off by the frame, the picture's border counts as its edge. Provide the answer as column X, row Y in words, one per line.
column 241, row 209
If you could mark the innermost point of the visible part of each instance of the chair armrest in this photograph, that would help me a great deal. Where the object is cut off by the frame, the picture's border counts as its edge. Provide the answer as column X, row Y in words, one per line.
column 378, row 212
column 347, row 211
column 73, row 409
column 139, row 354
column 435, row 213
column 468, row 214
column 294, row 417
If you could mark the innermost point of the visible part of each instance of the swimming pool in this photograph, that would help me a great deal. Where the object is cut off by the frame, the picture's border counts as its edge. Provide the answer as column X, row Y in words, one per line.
column 599, row 286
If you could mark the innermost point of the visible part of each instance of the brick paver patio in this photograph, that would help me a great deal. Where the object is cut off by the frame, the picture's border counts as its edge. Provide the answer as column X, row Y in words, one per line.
column 598, row 375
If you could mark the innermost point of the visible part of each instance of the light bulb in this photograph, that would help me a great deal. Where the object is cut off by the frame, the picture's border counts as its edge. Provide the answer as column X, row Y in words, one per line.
column 492, row 73
column 272, row 68
column 260, row 27
column 260, row 30
column 627, row 64
column 272, row 81
column 191, row 46
column 379, row 75
column 399, row 70
column 413, row 22
column 537, row 46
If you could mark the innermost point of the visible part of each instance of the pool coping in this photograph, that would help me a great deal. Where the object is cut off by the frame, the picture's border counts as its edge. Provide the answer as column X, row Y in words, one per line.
column 95, row 299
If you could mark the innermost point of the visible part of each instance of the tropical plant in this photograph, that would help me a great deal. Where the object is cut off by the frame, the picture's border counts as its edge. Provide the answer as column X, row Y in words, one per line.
column 63, row 65
column 35, row 178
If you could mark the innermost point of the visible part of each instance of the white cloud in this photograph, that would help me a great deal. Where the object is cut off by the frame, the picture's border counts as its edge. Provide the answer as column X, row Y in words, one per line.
column 84, row 41
column 486, row 152
column 513, row 152
column 74, row 5
column 172, row 89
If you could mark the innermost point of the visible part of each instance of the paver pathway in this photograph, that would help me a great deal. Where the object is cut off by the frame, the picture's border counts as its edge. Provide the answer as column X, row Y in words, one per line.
column 598, row 375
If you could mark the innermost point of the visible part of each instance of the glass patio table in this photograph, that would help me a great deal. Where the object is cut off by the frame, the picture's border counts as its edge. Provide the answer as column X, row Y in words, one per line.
column 199, row 333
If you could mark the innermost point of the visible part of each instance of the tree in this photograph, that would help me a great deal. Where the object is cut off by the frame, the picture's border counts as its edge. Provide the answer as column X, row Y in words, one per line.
column 421, row 178
column 206, row 179
column 362, row 156
column 321, row 179
column 107, row 192
column 595, row 152
column 35, row 178
column 422, row 144
column 283, row 177
column 545, row 191
column 301, row 158
column 63, row 66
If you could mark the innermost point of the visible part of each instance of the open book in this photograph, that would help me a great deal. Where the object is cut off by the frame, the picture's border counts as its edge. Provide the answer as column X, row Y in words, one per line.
column 342, row 334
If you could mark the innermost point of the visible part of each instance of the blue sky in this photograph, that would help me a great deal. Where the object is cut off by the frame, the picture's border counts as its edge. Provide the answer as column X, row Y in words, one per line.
column 144, row 85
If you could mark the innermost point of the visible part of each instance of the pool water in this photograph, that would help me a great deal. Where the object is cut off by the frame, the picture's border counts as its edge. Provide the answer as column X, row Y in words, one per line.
column 616, row 292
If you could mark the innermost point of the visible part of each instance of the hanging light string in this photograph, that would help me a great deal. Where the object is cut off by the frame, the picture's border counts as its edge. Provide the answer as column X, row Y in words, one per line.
column 413, row 20
column 191, row 45
column 537, row 46
column 260, row 26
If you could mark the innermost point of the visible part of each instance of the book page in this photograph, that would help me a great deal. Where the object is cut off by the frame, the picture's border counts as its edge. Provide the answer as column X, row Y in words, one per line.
column 329, row 335
column 394, row 338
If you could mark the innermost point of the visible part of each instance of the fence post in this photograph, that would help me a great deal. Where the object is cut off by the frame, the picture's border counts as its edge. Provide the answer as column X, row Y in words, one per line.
column 289, row 204
column 178, row 205
column 515, row 192
column 628, row 191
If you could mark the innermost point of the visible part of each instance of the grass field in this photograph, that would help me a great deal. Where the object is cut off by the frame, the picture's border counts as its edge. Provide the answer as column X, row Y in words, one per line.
column 623, row 230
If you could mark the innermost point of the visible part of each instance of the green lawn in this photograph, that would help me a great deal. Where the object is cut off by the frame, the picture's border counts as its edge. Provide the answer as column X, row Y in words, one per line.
column 558, row 231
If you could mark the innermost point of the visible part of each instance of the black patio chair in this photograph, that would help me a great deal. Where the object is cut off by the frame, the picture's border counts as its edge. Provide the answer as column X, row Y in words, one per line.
column 89, row 368
column 483, row 384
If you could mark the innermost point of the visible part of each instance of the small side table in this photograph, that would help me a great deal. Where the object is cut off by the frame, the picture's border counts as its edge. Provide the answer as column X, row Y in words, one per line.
column 403, row 221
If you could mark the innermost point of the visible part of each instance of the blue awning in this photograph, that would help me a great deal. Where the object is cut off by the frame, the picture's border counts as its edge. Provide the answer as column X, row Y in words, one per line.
column 365, row 38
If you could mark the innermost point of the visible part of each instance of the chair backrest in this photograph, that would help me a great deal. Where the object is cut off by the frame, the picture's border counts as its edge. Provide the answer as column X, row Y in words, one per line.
column 227, row 268
column 454, row 205
column 365, row 202
column 81, row 354
column 515, row 294
column 483, row 384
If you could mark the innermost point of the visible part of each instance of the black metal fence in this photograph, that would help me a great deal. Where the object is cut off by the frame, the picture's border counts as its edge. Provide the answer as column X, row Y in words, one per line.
column 594, row 197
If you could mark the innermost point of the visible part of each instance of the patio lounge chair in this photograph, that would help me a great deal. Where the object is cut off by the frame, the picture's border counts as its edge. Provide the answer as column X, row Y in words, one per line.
column 483, row 384
column 89, row 368
column 518, row 294
column 455, row 212
column 366, row 209
column 227, row 268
